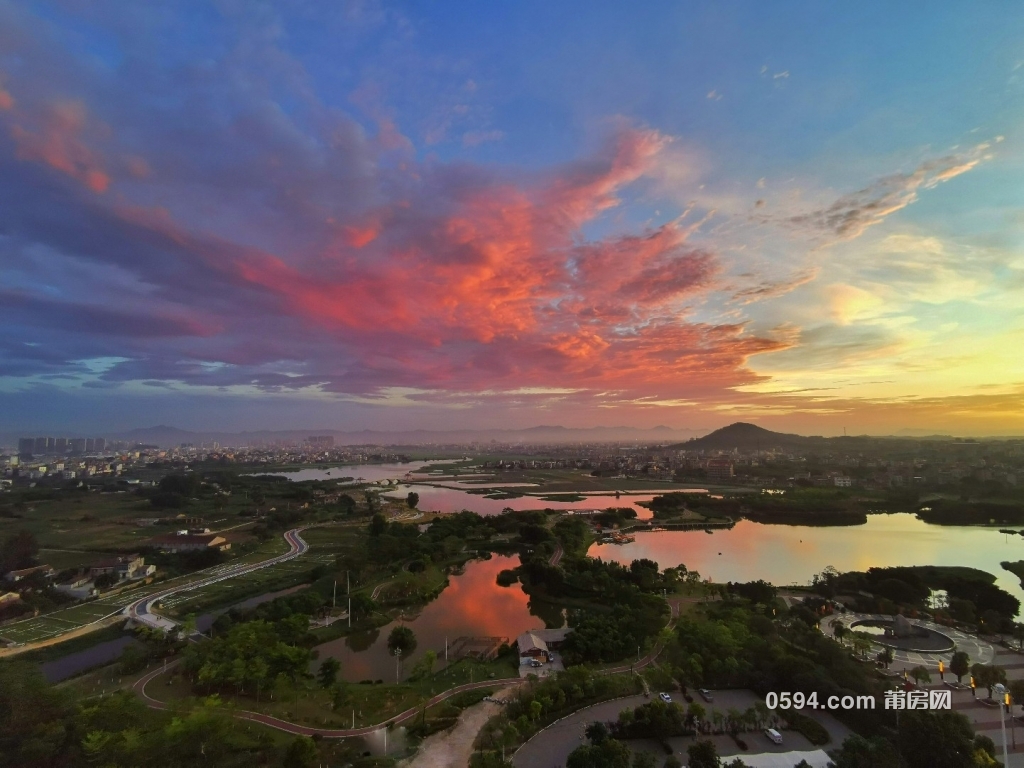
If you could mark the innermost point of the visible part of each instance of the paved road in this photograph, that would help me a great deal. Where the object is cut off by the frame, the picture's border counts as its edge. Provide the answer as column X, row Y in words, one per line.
column 551, row 746
column 556, row 558
column 141, row 610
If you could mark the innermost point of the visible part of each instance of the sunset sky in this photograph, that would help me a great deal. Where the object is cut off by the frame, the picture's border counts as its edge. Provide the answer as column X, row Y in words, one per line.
column 350, row 215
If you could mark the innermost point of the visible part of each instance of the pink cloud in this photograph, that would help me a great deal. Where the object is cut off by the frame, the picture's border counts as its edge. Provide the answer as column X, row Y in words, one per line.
column 493, row 293
column 57, row 141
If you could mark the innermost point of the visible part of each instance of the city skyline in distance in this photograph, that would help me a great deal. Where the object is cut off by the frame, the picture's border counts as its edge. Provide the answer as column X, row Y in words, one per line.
column 366, row 217
column 738, row 435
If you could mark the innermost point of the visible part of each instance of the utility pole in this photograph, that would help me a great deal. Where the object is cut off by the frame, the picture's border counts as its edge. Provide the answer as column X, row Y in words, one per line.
column 334, row 604
column 348, row 588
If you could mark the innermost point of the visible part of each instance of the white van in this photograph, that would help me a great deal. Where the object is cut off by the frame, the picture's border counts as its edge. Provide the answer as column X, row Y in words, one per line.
column 774, row 735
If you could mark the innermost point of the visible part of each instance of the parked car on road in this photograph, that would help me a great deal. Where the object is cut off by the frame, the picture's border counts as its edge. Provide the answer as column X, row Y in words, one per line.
column 665, row 697
column 773, row 735
column 706, row 694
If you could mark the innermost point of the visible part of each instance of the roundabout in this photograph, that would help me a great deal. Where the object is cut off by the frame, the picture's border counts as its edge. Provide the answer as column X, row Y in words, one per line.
column 978, row 650
column 910, row 638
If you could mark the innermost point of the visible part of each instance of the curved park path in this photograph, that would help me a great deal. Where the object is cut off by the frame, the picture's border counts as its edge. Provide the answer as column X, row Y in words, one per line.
column 342, row 733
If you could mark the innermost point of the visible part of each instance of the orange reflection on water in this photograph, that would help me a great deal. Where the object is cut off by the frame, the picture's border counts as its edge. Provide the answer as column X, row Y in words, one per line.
column 472, row 604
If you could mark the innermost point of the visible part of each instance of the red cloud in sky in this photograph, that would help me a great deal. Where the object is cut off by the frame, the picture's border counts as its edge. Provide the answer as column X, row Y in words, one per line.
column 450, row 279
column 494, row 293
column 57, row 141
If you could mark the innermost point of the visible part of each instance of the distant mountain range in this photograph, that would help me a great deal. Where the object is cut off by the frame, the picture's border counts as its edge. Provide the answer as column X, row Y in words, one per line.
column 750, row 437
column 747, row 437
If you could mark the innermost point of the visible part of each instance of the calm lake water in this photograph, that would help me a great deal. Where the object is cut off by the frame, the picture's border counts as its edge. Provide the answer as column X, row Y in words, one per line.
column 792, row 554
column 370, row 473
column 454, row 496
column 472, row 604
column 434, row 499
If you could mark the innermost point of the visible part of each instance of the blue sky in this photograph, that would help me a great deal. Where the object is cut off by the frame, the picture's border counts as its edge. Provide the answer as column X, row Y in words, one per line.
column 389, row 215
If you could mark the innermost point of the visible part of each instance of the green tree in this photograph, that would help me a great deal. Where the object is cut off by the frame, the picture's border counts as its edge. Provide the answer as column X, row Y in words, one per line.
column 987, row 675
column 302, row 753
column 35, row 720
column 328, row 672
column 839, row 632
column 960, row 664
column 597, row 732
column 362, row 605
column 378, row 524
column 402, row 639
column 105, row 580
column 885, row 656
column 703, row 754
column 19, row 551
column 920, row 675
column 205, row 736
column 412, row 499
column 643, row 760
column 611, row 753
column 938, row 739
column 858, row 752
column 673, row 762
column 536, row 710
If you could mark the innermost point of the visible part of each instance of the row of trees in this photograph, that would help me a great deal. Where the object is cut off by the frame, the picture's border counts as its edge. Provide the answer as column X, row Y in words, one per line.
column 45, row 727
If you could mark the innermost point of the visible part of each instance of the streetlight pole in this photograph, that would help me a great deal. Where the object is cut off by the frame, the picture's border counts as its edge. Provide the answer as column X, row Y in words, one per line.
column 1000, row 690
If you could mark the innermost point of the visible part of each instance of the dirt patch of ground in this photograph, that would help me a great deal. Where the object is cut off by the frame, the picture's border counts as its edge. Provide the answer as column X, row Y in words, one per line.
column 452, row 749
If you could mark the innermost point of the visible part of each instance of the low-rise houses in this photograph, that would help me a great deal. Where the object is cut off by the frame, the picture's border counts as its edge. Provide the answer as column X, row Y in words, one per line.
column 537, row 644
column 123, row 566
column 16, row 576
column 188, row 542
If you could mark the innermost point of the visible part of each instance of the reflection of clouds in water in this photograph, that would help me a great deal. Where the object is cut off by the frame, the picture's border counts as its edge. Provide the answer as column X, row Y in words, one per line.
column 472, row 604
column 792, row 554
column 434, row 499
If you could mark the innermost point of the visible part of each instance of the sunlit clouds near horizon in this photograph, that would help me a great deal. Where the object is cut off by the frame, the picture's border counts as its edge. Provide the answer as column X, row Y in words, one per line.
column 374, row 215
